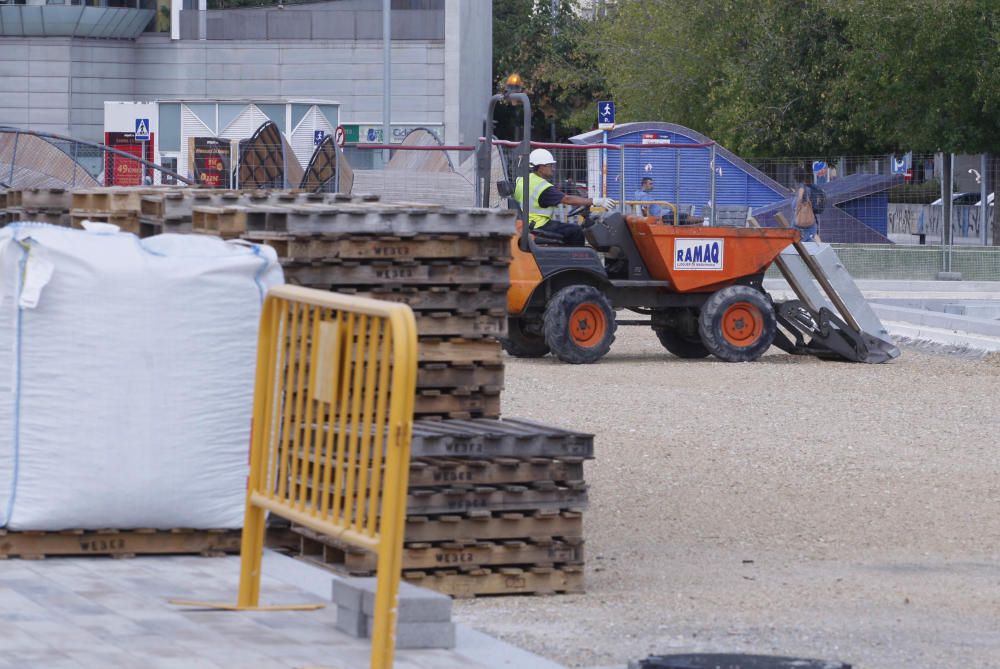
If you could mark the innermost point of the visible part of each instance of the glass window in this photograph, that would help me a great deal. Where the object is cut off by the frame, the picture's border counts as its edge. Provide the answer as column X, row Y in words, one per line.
column 170, row 127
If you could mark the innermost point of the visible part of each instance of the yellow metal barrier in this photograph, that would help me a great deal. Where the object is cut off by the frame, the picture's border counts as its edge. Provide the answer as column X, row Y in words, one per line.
column 643, row 203
column 332, row 424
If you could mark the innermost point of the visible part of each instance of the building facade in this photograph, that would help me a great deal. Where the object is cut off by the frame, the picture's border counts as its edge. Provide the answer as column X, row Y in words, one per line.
column 60, row 64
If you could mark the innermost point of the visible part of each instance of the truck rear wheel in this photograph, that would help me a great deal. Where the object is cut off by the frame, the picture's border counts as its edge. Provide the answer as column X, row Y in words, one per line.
column 579, row 324
column 521, row 342
column 737, row 324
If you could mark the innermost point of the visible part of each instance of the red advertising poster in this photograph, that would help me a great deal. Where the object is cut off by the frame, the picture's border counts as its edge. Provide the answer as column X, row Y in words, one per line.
column 119, row 170
column 210, row 161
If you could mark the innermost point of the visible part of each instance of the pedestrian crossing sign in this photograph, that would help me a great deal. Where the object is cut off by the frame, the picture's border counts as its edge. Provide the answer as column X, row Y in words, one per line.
column 142, row 129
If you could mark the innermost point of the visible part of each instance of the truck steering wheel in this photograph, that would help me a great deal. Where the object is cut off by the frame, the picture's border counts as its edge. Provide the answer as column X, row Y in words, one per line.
column 583, row 210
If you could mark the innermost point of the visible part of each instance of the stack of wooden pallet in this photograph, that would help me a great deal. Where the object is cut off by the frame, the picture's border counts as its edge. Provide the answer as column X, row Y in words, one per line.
column 449, row 265
column 40, row 205
column 119, row 206
column 495, row 507
column 225, row 213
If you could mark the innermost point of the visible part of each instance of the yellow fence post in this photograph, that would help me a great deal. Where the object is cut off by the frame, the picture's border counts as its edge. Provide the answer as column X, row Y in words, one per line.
column 330, row 442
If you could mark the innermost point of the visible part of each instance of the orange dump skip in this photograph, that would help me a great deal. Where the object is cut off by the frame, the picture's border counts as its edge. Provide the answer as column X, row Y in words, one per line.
column 695, row 258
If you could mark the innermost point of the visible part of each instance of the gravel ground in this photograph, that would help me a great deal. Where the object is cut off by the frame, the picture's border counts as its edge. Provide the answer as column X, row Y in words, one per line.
column 788, row 506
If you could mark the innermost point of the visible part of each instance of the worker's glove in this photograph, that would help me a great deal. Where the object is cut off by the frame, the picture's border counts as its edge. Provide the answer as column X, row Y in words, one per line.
column 605, row 203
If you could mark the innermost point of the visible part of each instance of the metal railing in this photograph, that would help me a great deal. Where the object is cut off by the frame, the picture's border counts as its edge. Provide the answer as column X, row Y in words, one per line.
column 332, row 424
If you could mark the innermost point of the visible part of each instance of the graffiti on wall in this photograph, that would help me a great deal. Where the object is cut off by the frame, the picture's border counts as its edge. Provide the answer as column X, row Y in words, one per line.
column 916, row 219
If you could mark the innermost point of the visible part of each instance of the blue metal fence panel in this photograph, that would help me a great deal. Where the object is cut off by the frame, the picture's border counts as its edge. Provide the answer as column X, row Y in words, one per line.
column 872, row 210
column 682, row 176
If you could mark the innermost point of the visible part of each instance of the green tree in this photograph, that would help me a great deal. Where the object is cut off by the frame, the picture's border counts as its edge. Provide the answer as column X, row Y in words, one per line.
column 924, row 74
column 812, row 76
column 552, row 48
column 756, row 75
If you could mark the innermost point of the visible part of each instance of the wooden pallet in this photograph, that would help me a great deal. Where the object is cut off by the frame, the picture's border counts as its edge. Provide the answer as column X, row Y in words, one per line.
column 126, row 222
column 502, row 581
column 109, row 200
column 498, row 471
column 469, row 326
column 117, row 543
column 463, row 556
column 452, row 299
column 484, row 378
column 360, row 247
column 45, row 198
column 458, row 403
column 325, row 275
column 484, row 526
column 459, row 351
column 50, row 216
column 227, row 222
column 169, row 204
column 510, row 497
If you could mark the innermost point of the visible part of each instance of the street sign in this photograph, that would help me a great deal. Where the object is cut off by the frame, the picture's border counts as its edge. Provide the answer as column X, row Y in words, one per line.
column 142, row 129
column 606, row 115
column 318, row 136
column 820, row 173
column 340, row 135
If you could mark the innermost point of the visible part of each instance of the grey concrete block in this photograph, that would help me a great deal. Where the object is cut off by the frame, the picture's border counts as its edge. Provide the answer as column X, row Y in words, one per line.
column 421, row 635
column 415, row 604
column 409, row 635
column 352, row 622
column 347, row 593
column 949, row 276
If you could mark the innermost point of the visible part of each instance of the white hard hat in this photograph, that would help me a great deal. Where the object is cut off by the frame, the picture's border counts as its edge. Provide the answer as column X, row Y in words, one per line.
column 541, row 157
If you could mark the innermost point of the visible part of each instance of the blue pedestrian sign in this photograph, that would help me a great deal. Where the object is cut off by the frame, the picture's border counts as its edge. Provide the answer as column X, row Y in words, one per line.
column 318, row 136
column 606, row 115
column 142, row 130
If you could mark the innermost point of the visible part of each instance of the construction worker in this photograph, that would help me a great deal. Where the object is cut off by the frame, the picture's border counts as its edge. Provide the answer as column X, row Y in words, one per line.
column 544, row 198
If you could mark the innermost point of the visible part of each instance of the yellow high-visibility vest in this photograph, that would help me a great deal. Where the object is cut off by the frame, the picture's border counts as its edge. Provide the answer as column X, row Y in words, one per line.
column 537, row 214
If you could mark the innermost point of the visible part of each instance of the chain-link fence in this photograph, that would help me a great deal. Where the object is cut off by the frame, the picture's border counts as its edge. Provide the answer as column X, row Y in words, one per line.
column 436, row 174
column 30, row 159
column 908, row 216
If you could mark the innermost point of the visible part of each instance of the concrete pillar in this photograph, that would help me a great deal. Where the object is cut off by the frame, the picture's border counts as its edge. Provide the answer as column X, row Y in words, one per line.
column 468, row 68
column 175, row 18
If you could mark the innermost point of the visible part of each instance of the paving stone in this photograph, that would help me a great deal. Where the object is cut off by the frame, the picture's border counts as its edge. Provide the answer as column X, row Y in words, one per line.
column 92, row 613
column 106, row 626
column 57, row 633
column 40, row 659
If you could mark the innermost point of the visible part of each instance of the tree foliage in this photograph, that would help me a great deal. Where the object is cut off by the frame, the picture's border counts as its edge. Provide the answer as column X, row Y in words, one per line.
column 811, row 76
column 551, row 48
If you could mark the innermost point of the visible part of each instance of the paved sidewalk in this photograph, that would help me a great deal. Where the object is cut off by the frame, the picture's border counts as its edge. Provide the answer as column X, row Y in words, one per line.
column 101, row 612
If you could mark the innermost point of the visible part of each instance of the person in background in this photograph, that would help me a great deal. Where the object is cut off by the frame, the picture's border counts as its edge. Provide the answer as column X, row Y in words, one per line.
column 805, row 216
column 645, row 194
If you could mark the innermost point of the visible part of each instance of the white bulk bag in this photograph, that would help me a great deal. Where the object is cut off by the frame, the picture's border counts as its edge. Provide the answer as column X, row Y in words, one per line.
column 126, row 377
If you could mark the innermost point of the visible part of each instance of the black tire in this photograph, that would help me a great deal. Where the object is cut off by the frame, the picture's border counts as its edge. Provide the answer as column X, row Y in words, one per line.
column 521, row 343
column 737, row 324
column 681, row 346
column 579, row 324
